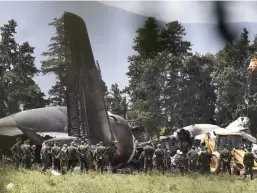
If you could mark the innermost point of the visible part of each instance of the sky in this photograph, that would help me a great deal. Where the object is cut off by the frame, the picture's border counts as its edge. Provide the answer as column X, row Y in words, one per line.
column 112, row 26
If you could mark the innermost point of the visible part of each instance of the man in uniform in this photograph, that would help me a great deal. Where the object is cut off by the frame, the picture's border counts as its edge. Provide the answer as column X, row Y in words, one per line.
column 148, row 157
column 17, row 153
column 225, row 159
column 248, row 163
column 180, row 162
column 205, row 161
column 55, row 156
column 82, row 152
column 33, row 147
column 159, row 153
column 72, row 154
column 44, row 153
column 192, row 157
column 89, row 156
column 27, row 154
column 99, row 156
column 168, row 161
column 64, row 159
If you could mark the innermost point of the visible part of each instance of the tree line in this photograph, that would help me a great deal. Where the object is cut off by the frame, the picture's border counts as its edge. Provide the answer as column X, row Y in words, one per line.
column 169, row 85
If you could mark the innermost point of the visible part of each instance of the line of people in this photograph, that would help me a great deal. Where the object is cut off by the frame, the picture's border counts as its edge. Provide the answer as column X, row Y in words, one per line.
column 64, row 158
column 195, row 160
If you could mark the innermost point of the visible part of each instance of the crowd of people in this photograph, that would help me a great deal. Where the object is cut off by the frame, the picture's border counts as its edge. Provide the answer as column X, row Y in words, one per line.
column 65, row 158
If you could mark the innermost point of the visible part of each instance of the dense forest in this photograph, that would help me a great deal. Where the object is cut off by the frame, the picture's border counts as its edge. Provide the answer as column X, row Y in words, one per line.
column 169, row 85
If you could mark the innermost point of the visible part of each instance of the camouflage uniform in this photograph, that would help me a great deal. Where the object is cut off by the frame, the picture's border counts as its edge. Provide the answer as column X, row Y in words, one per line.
column 64, row 159
column 192, row 157
column 159, row 153
column 248, row 163
column 72, row 154
column 27, row 155
column 99, row 156
column 205, row 161
column 45, row 157
column 17, row 153
column 225, row 159
column 55, row 157
column 111, row 151
column 82, row 152
column 180, row 162
column 148, row 157
column 168, row 161
column 33, row 147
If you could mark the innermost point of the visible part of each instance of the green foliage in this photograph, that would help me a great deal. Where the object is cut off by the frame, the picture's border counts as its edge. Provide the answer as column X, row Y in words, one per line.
column 93, row 182
column 163, row 131
column 56, row 64
column 18, row 70
column 116, row 103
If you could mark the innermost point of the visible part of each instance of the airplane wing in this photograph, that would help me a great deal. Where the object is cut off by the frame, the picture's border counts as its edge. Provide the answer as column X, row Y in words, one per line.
column 40, row 137
column 10, row 131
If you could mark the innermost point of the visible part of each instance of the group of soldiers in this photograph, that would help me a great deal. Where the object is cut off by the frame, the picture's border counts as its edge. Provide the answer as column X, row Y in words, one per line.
column 65, row 158
column 198, row 159
column 23, row 154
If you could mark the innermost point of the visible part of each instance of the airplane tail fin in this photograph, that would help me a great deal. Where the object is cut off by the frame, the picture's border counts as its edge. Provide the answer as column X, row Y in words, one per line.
column 87, row 115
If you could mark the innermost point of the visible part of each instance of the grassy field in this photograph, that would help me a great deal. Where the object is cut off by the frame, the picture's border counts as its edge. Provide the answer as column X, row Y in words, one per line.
column 35, row 182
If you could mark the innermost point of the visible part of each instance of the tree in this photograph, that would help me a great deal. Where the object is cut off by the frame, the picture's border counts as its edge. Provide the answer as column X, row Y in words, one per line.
column 117, row 104
column 229, row 78
column 102, row 83
column 147, row 40
column 18, row 69
column 154, row 72
column 55, row 63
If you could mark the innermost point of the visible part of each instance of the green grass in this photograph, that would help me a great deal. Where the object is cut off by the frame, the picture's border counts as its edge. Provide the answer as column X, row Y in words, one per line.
column 34, row 182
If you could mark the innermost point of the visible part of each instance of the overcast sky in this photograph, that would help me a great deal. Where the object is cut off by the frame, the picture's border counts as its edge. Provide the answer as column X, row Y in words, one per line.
column 112, row 29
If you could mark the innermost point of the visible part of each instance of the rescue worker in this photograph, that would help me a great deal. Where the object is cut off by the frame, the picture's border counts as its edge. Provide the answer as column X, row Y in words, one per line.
column 248, row 163
column 45, row 157
column 168, row 161
column 225, row 159
column 64, row 159
column 205, row 161
column 99, row 156
column 82, row 152
column 33, row 147
column 50, row 146
column 72, row 154
column 55, row 151
column 180, row 162
column 27, row 154
column 159, row 153
column 148, row 157
column 192, row 157
column 17, row 153
column 112, row 151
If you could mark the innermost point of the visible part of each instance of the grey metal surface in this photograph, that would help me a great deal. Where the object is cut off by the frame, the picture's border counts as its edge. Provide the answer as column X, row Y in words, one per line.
column 83, row 82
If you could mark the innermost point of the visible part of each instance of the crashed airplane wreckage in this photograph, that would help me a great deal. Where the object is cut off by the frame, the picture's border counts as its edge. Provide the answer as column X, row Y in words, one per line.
column 85, row 116
column 187, row 136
